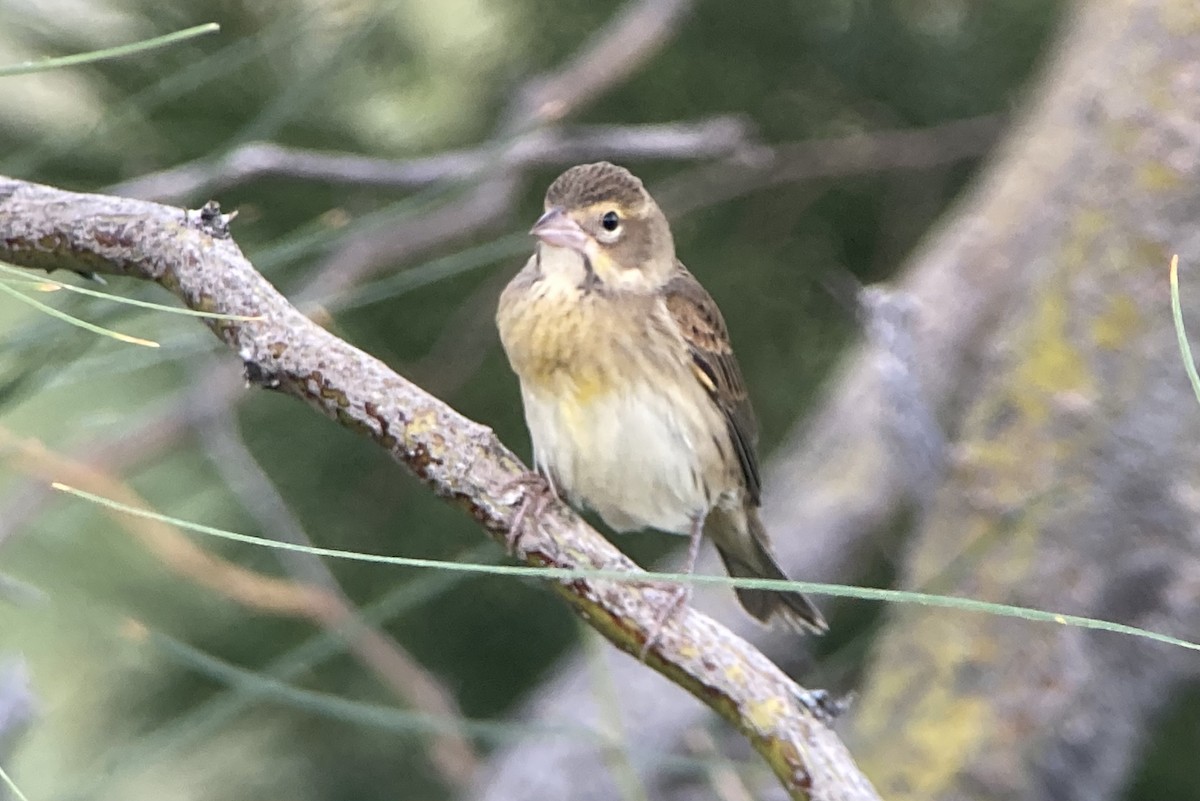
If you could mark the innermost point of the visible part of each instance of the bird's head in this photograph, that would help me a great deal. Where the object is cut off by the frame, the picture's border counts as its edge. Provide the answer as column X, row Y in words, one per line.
column 603, row 214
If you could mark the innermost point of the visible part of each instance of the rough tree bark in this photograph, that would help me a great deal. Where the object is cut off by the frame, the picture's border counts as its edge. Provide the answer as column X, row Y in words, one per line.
column 192, row 255
column 1045, row 342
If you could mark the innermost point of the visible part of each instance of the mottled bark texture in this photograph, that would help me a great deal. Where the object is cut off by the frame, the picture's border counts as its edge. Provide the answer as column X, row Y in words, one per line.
column 1044, row 342
column 1074, row 486
column 192, row 255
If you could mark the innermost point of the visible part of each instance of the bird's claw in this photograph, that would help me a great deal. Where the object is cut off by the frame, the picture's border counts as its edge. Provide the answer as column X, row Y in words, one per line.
column 680, row 594
column 536, row 493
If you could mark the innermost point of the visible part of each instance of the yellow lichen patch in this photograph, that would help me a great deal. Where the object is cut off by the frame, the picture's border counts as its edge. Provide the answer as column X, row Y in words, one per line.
column 1148, row 255
column 735, row 673
column 421, row 424
column 1117, row 324
column 436, row 443
column 944, row 725
column 1052, row 365
column 1155, row 177
column 1122, row 136
column 1160, row 98
column 1013, row 553
column 1181, row 18
column 948, row 729
column 1087, row 226
column 930, row 564
column 764, row 715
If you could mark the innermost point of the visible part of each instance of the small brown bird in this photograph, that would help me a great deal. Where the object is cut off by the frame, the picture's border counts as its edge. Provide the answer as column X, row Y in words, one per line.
column 633, row 397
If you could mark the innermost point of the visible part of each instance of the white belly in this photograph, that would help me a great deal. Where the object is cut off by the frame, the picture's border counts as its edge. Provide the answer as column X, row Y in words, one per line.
column 636, row 457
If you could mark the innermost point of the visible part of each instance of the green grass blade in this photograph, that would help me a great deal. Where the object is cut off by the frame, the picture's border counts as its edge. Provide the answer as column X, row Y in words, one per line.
column 367, row 714
column 1189, row 364
column 111, row 52
column 12, row 786
column 141, row 304
column 565, row 574
column 75, row 321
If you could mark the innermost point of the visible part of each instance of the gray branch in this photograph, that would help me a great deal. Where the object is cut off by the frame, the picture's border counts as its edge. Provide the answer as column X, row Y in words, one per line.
column 719, row 136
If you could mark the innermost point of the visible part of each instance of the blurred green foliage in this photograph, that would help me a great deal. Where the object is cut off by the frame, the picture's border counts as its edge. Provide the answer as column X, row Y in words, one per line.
column 398, row 79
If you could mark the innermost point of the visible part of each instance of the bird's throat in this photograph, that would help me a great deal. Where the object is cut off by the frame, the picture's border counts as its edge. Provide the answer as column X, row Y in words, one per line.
column 568, row 267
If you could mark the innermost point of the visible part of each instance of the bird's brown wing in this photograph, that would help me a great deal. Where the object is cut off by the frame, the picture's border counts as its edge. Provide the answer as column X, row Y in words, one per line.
column 716, row 368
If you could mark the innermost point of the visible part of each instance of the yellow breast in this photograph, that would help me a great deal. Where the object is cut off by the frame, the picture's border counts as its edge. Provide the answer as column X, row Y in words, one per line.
column 572, row 344
column 614, row 412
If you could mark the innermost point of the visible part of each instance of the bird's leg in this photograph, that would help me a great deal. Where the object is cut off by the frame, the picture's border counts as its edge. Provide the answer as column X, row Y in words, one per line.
column 680, row 593
column 537, row 490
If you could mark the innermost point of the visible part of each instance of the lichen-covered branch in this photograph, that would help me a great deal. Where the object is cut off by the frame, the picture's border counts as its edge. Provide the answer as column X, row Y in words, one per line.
column 1073, row 482
column 192, row 255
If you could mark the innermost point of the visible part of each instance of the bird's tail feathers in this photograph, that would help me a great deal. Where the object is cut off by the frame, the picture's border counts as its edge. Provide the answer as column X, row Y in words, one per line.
column 746, row 554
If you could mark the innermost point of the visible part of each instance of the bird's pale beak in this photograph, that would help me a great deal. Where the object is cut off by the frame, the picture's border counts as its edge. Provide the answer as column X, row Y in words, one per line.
column 557, row 229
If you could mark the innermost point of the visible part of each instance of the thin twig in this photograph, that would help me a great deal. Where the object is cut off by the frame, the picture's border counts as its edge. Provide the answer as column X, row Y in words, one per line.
column 362, row 255
column 615, row 52
column 858, row 154
column 711, row 138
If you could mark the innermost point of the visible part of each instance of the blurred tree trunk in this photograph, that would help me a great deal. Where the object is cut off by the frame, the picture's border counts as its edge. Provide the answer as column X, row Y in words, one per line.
column 1074, row 484
column 1046, row 348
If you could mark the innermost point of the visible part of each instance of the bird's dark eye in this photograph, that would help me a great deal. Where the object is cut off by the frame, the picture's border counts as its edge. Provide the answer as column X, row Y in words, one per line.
column 611, row 221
